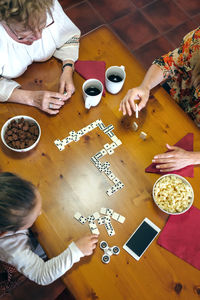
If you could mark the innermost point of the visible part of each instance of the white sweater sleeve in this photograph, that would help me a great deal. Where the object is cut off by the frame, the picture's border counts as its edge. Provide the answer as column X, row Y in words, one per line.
column 20, row 255
column 69, row 51
column 69, row 35
column 6, row 88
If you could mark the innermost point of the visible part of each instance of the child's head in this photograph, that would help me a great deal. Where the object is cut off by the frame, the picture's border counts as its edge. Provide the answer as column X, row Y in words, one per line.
column 20, row 203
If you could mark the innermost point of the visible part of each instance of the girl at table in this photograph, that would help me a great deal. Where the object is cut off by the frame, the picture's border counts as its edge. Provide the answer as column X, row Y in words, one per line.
column 34, row 30
column 180, row 69
column 20, row 205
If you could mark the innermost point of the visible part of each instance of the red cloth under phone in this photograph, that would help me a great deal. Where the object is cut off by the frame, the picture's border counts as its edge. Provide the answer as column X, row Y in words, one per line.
column 181, row 236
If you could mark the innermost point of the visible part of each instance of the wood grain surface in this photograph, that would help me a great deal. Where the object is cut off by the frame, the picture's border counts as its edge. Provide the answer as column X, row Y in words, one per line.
column 69, row 182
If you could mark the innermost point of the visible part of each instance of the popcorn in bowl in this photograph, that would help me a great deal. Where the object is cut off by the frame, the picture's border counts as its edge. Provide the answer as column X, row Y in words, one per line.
column 173, row 194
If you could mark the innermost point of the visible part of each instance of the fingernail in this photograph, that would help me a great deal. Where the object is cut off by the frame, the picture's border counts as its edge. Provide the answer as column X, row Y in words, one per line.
column 153, row 160
column 157, row 167
column 156, row 156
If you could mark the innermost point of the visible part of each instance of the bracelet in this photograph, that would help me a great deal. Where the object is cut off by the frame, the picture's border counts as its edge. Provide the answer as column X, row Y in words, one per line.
column 68, row 65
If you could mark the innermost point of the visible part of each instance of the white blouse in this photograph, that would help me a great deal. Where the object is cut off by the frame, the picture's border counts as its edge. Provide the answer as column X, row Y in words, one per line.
column 15, row 250
column 61, row 39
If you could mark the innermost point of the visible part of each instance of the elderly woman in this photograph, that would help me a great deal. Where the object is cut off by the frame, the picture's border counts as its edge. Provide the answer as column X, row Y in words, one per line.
column 34, row 30
column 180, row 69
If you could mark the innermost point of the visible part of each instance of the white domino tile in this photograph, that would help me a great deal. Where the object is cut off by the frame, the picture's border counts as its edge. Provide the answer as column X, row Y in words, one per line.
column 108, row 149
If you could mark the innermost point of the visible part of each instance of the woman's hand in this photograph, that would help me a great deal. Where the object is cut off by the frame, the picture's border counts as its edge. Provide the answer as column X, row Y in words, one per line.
column 66, row 82
column 176, row 159
column 87, row 244
column 49, row 102
column 127, row 105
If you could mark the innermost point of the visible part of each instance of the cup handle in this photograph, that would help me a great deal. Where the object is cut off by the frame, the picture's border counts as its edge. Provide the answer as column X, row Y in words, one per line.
column 87, row 103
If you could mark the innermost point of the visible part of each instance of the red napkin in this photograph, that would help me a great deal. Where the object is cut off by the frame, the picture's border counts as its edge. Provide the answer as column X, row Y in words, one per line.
column 185, row 143
column 181, row 236
column 92, row 69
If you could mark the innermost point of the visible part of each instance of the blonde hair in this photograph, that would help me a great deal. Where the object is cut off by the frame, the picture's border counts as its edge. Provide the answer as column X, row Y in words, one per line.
column 23, row 11
column 196, row 74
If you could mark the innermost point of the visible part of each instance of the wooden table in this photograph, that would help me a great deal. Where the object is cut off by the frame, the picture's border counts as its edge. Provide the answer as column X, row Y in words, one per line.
column 69, row 182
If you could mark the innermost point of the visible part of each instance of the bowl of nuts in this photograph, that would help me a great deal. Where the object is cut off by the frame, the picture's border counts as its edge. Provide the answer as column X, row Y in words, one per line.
column 173, row 194
column 21, row 133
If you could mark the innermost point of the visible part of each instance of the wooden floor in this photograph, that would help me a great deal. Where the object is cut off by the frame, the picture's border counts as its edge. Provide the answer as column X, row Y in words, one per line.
column 159, row 35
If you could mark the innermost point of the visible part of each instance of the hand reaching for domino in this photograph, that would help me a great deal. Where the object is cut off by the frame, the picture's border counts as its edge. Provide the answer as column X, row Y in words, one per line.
column 87, row 244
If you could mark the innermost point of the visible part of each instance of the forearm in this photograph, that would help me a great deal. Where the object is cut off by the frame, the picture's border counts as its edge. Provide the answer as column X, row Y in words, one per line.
column 21, row 96
column 195, row 158
column 7, row 86
column 68, row 70
column 153, row 77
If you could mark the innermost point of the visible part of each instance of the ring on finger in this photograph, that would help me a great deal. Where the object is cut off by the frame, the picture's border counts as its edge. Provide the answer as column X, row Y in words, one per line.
column 50, row 105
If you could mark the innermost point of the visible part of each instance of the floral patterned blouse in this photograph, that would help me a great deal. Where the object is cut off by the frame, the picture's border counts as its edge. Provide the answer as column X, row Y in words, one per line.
column 177, row 68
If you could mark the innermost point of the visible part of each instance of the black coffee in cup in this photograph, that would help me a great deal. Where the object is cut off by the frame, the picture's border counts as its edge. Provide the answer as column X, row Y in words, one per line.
column 92, row 91
column 114, row 78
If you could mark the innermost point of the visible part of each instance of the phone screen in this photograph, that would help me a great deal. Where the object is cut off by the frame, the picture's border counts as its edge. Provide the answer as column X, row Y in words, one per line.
column 141, row 238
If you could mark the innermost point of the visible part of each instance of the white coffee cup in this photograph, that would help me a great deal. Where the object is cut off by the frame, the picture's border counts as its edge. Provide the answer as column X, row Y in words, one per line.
column 92, row 99
column 114, row 87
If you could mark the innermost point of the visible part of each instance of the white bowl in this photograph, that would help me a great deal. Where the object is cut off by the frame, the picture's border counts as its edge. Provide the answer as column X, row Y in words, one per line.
column 26, row 118
column 184, row 181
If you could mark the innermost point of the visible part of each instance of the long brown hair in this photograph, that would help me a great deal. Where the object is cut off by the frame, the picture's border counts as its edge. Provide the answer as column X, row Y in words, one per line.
column 17, row 199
